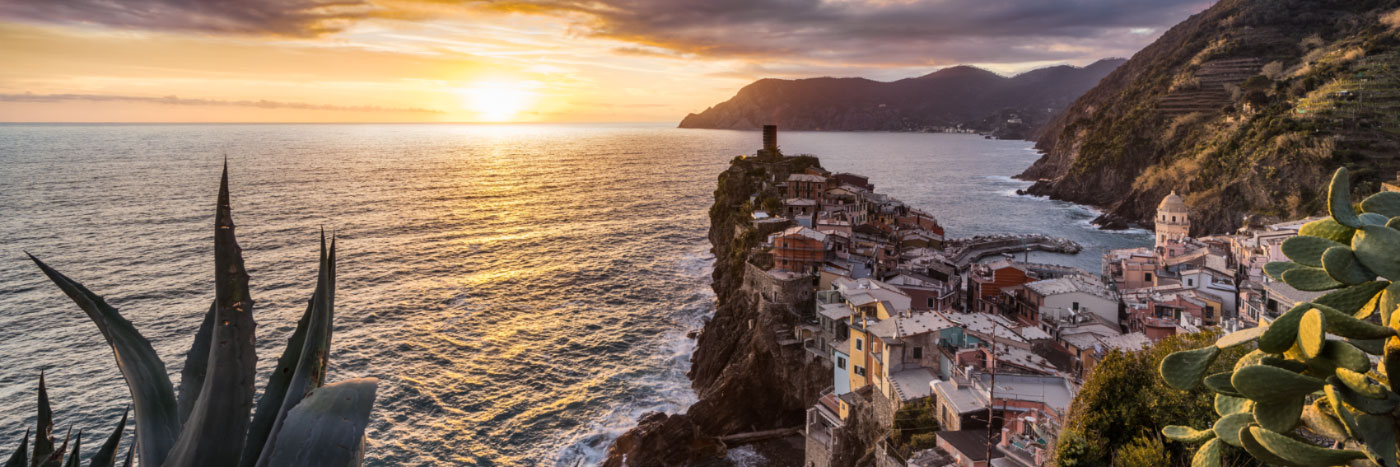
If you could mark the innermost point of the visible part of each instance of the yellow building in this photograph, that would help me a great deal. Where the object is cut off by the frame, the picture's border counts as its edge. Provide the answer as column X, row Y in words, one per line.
column 865, row 360
column 1173, row 222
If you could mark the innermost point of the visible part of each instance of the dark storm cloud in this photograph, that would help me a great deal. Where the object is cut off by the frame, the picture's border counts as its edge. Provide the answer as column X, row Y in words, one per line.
column 870, row 32
column 874, row 32
column 280, row 17
column 173, row 100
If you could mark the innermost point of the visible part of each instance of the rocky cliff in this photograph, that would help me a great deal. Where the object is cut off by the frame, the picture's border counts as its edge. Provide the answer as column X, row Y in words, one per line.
column 960, row 96
column 1241, row 108
column 746, row 377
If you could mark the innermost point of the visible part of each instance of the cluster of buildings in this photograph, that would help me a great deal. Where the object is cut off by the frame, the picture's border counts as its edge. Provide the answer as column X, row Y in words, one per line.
column 993, row 347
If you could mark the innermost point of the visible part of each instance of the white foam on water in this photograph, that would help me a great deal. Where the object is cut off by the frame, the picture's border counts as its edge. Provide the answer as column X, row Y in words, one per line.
column 589, row 446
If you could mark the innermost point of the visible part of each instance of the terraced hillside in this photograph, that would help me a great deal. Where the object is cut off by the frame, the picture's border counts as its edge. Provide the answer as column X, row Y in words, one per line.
column 1234, row 108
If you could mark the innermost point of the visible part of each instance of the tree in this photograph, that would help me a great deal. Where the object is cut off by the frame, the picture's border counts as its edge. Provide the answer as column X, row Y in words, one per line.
column 1144, row 451
column 1124, row 398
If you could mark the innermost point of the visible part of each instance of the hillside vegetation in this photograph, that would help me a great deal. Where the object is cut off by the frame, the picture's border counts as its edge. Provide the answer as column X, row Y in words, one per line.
column 1243, row 109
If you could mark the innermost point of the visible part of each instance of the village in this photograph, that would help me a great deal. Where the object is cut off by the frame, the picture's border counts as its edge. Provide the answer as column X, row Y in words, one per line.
column 962, row 354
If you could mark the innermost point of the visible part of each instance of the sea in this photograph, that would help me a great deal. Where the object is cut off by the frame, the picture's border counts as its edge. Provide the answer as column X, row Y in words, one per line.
column 523, row 292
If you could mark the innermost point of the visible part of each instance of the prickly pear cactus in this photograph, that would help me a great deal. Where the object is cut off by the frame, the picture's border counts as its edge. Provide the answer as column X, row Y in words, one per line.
column 1321, row 388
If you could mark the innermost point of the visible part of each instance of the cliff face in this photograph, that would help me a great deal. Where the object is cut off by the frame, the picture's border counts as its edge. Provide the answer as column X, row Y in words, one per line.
column 1237, row 108
column 745, row 378
column 958, row 96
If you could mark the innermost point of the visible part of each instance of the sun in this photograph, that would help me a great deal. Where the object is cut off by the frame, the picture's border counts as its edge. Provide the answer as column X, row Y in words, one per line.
column 496, row 101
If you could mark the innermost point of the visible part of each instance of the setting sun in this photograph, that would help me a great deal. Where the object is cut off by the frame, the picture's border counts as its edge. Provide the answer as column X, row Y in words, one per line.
column 496, row 101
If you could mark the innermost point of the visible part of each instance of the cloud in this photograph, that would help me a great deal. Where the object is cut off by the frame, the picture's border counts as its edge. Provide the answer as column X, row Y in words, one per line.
column 279, row 17
column 869, row 33
column 173, row 100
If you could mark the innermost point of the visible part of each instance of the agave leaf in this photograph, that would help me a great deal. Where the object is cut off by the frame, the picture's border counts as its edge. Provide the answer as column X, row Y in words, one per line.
column 73, row 460
column 1339, row 200
column 1302, row 453
column 1378, row 248
column 310, row 369
column 107, row 454
column 1306, row 250
column 1310, row 279
column 270, row 404
column 1264, row 383
column 1277, row 268
column 1385, row 203
column 55, row 459
column 1328, row 229
column 326, row 428
column 1227, row 428
column 1208, row 455
column 214, row 433
column 43, row 434
column 196, row 363
column 1281, row 415
column 20, row 458
column 1183, row 370
column 1283, row 332
column 152, row 395
column 1353, row 300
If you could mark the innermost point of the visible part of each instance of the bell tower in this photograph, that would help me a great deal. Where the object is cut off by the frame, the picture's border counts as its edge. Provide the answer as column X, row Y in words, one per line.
column 1173, row 219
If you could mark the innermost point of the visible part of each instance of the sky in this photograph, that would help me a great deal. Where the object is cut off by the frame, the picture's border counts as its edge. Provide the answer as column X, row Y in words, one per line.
column 512, row 60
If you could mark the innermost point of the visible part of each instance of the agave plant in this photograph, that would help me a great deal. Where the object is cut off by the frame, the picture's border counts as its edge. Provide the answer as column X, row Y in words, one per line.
column 299, row 420
column 44, row 454
column 1320, row 388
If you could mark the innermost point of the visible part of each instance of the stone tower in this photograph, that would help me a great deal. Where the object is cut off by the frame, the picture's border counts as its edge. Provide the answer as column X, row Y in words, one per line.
column 770, row 144
column 1173, row 220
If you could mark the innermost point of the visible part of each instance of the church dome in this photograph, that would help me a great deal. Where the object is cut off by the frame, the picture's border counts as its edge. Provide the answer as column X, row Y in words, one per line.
column 1172, row 203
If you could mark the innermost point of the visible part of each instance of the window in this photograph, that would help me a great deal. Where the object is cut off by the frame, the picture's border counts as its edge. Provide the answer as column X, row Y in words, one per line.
column 860, row 371
column 930, row 302
column 918, row 352
column 858, row 346
column 1147, row 277
column 841, row 362
column 1190, row 282
column 1074, row 306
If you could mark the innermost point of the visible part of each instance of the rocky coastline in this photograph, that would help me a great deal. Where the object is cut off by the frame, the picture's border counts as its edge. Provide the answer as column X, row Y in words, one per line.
column 746, row 378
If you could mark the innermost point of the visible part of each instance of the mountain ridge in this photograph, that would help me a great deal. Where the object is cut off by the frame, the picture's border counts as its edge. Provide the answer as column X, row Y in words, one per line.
column 960, row 96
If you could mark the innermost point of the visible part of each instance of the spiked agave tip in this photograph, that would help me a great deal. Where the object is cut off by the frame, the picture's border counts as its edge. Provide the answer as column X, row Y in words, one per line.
column 223, row 190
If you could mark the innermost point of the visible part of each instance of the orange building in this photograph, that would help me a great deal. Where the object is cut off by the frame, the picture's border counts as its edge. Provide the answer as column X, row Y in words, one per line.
column 799, row 249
